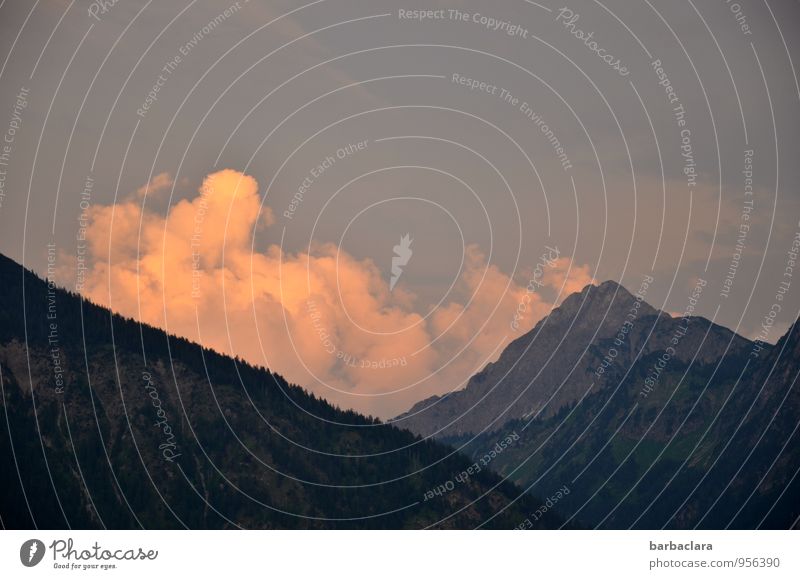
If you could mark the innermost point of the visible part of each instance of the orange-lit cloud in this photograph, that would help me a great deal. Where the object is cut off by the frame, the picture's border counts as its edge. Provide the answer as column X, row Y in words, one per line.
column 157, row 184
column 323, row 318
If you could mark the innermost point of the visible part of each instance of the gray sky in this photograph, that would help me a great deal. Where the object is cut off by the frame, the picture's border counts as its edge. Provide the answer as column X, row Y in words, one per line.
column 441, row 161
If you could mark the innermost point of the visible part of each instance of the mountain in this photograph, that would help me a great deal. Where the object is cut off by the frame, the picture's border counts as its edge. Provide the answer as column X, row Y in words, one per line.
column 558, row 362
column 109, row 423
column 704, row 436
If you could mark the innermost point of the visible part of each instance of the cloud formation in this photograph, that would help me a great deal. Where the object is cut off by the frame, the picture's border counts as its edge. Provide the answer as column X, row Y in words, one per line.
column 322, row 318
column 157, row 184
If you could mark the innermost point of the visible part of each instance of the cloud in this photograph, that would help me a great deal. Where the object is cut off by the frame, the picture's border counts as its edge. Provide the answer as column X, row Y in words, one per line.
column 566, row 277
column 322, row 318
column 157, row 184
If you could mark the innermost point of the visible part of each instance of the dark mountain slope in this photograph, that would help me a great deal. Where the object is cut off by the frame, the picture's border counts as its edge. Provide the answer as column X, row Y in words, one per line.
column 155, row 431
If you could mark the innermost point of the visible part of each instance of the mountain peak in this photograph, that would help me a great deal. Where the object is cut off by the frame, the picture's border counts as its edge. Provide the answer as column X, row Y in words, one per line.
column 607, row 286
column 606, row 302
column 550, row 367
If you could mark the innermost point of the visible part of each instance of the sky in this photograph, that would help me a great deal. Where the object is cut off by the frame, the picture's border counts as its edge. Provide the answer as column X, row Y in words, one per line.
column 244, row 173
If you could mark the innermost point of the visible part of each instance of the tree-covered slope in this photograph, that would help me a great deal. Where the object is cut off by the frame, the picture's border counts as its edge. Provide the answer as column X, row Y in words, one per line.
column 107, row 423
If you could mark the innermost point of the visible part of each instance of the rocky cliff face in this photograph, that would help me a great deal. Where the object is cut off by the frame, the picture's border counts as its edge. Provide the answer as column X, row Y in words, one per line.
column 711, row 446
column 583, row 346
